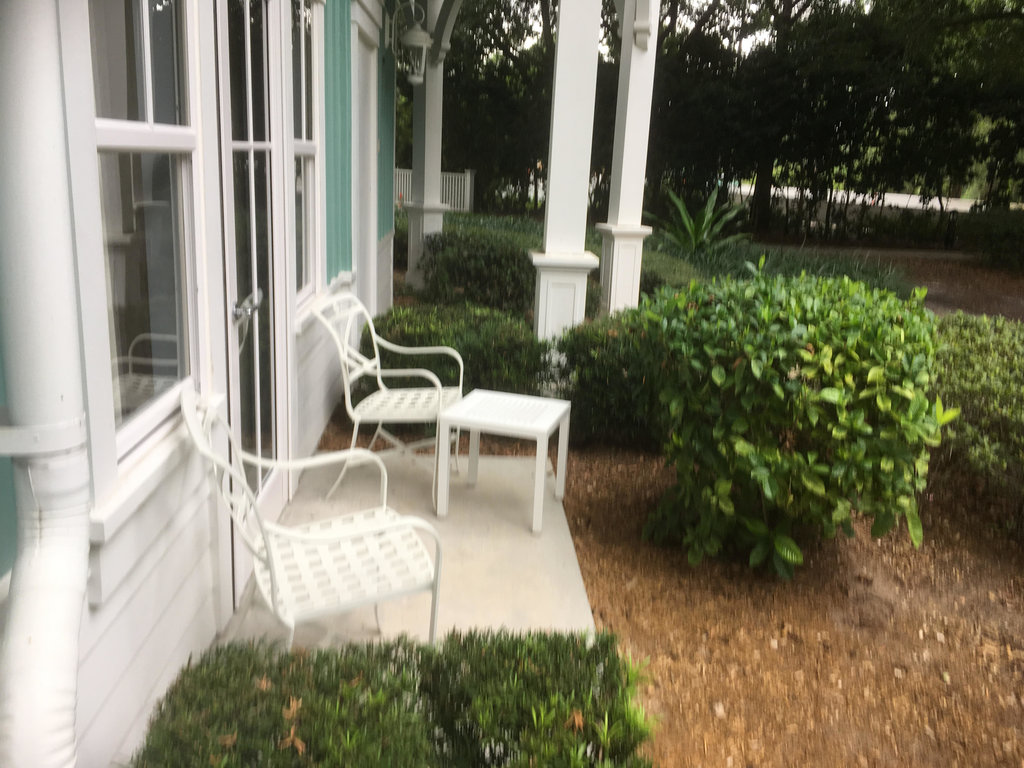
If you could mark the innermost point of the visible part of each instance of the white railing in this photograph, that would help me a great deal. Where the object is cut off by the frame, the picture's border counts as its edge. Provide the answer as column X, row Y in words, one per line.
column 456, row 188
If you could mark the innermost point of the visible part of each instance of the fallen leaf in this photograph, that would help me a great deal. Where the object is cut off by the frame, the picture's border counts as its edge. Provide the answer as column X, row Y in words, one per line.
column 264, row 683
column 575, row 721
column 291, row 740
column 228, row 740
column 294, row 705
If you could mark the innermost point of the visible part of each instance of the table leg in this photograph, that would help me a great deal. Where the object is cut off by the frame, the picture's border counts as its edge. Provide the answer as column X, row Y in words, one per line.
column 563, row 456
column 540, row 470
column 443, row 469
column 474, row 455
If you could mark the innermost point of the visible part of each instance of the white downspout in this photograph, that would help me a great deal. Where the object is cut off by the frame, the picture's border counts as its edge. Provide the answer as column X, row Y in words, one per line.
column 42, row 356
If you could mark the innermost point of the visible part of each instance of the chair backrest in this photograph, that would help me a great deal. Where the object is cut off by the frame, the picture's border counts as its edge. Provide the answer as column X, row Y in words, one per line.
column 207, row 427
column 343, row 315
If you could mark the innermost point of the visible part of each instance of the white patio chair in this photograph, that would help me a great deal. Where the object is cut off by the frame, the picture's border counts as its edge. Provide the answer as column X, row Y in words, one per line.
column 344, row 316
column 326, row 566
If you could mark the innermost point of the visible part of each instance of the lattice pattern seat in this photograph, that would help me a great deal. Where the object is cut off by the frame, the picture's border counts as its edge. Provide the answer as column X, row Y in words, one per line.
column 326, row 566
column 352, row 560
column 412, row 405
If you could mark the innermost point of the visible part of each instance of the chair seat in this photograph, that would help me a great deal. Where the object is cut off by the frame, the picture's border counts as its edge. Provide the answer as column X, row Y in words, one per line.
column 317, row 576
column 408, row 405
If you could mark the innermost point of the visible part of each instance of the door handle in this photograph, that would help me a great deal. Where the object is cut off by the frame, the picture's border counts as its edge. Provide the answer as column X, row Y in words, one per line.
column 247, row 307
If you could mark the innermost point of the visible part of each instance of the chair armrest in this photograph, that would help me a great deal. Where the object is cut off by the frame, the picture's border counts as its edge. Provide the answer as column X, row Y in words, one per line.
column 439, row 350
column 420, row 373
column 358, row 456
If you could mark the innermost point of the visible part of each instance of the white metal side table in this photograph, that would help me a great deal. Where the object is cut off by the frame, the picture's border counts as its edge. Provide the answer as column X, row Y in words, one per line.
column 511, row 415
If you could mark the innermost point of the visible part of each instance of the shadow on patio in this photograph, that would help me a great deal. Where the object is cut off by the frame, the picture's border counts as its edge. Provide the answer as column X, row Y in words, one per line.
column 495, row 573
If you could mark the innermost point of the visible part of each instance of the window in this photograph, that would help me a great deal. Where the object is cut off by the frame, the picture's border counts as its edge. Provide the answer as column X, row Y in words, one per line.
column 145, row 151
column 141, row 194
column 305, row 135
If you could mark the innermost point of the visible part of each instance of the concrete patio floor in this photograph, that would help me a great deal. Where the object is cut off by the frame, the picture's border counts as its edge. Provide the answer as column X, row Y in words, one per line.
column 495, row 572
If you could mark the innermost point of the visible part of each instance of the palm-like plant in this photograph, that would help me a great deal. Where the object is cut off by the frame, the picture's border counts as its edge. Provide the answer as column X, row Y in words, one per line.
column 695, row 235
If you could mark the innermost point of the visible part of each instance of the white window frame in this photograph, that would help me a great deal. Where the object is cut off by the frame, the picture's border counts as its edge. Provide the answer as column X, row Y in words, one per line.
column 182, row 141
column 308, row 150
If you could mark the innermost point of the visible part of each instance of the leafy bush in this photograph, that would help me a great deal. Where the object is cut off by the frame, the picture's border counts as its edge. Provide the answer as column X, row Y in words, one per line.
column 979, row 364
column 997, row 234
column 252, row 705
column 476, row 700
column 535, row 700
column 401, row 241
column 605, row 368
column 792, row 404
column 477, row 268
column 697, row 235
column 499, row 351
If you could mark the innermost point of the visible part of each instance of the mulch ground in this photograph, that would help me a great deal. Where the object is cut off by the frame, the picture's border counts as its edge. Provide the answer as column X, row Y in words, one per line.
column 875, row 655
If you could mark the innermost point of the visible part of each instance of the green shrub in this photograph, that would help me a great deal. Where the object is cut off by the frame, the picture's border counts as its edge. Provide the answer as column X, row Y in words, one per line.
column 605, row 370
column 979, row 364
column 792, row 404
column 359, row 706
column 997, row 234
column 536, row 699
column 401, row 242
column 499, row 351
column 476, row 700
column 477, row 268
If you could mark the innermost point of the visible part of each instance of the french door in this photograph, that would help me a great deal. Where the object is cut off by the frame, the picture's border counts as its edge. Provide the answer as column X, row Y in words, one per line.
column 252, row 152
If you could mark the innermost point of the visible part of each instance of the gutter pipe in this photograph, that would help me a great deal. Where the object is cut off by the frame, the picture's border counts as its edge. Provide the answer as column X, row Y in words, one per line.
column 41, row 345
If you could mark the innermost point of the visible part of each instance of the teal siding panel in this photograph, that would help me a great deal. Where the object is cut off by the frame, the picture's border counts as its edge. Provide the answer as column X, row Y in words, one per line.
column 386, row 141
column 8, row 513
column 338, row 141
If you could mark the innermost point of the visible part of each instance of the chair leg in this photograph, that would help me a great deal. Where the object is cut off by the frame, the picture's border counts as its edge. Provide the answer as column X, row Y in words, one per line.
column 344, row 467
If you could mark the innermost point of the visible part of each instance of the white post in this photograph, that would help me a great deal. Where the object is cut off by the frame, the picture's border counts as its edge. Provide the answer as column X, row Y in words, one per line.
column 426, row 213
column 623, row 235
column 40, row 330
column 563, row 265
column 470, row 182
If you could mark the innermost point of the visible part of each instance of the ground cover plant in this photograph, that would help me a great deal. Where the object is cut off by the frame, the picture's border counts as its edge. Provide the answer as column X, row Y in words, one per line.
column 477, row 699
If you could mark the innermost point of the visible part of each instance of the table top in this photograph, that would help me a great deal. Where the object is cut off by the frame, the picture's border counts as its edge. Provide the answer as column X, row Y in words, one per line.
column 506, row 412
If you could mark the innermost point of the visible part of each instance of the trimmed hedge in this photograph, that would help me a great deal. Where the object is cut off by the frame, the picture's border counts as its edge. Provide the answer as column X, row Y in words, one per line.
column 477, row 699
column 979, row 364
column 477, row 268
column 997, row 234
column 499, row 351
column 793, row 403
column 602, row 370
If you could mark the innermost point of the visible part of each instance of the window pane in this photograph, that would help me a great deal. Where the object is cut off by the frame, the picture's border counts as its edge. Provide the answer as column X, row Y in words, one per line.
column 237, row 33
column 297, row 90
column 257, row 53
column 117, row 59
column 142, row 228
column 307, row 49
column 303, row 206
column 167, row 42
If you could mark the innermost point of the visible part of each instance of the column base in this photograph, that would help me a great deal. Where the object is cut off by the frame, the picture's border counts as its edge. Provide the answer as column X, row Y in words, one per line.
column 561, row 294
column 621, row 256
column 424, row 219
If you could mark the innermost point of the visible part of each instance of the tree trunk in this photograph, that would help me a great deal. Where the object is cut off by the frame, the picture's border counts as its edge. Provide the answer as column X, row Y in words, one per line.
column 761, row 200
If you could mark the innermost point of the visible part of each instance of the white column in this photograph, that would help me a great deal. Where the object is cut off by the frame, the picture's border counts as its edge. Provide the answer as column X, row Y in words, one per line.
column 563, row 265
column 426, row 213
column 624, row 233
column 39, row 323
